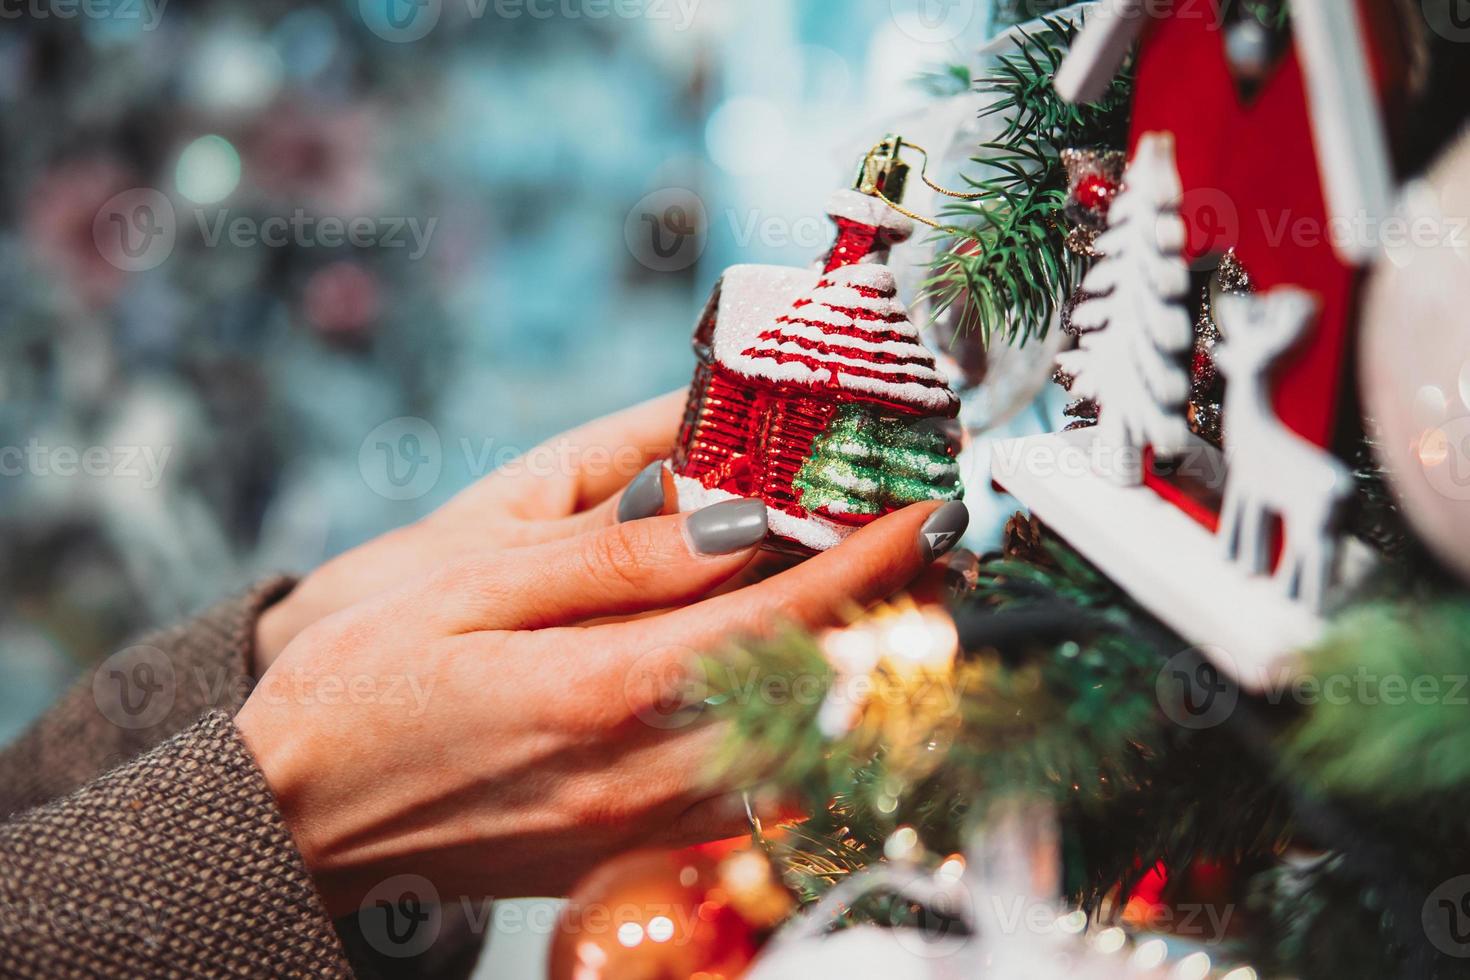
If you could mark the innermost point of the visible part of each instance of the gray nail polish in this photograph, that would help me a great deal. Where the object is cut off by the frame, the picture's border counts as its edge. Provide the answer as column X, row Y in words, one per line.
column 941, row 532
column 644, row 496
column 727, row 527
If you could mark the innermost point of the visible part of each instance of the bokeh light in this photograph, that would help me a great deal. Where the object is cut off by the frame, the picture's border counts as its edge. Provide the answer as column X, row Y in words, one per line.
column 208, row 170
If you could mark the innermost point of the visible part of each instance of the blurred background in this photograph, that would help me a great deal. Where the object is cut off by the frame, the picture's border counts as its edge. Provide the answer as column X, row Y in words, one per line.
column 276, row 277
column 280, row 276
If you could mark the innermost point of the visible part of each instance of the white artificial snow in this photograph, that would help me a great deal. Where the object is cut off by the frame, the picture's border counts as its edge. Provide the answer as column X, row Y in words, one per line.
column 751, row 298
column 747, row 293
column 856, row 484
column 864, row 209
column 815, row 533
column 895, row 347
column 935, row 470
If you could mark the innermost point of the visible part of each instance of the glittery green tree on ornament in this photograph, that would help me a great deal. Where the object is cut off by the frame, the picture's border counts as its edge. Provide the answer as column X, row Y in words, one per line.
column 867, row 463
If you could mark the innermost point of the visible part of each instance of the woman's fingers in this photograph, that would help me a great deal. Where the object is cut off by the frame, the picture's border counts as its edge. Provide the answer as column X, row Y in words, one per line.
column 728, row 815
column 616, row 570
column 579, row 469
column 955, row 574
column 717, row 818
column 649, row 495
column 873, row 564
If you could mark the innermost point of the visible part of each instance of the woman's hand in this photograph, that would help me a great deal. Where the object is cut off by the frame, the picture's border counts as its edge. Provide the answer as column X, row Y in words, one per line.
column 459, row 728
column 563, row 487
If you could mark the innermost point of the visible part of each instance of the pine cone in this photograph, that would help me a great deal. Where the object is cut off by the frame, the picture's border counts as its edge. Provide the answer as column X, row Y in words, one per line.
column 1024, row 540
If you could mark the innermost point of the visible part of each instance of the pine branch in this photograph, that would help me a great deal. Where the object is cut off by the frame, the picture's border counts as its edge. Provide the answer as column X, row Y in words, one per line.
column 1321, row 924
column 1396, row 732
column 1007, row 260
column 1056, row 700
column 944, row 82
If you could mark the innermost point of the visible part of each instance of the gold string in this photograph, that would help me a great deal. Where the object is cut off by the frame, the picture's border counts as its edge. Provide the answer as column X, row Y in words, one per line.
column 924, row 176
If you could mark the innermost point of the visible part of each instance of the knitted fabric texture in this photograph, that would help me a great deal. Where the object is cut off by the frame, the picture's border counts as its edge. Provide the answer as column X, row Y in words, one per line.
column 177, row 864
column 75, row 742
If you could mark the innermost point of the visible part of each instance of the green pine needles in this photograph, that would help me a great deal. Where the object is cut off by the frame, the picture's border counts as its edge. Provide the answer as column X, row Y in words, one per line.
column 1388, row 702
column 1056, row 700
column 1061, row 695
column 1008, row 266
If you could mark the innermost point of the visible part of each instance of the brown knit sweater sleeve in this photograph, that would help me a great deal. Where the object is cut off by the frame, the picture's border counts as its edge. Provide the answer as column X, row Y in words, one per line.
column 136, row 699
column 177, row 864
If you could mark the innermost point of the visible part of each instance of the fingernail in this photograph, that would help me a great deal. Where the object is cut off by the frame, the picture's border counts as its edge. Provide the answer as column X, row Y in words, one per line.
column 644, row 496
column 941, row 532
column 727, row 527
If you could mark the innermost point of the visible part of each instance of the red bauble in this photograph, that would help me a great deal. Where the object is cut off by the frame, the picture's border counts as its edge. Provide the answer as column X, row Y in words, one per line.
column 652, row 915
column 1202, row 368
column 1095, row 193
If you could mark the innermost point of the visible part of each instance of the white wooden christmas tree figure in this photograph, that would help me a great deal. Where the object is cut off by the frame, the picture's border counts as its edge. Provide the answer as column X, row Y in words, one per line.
column 1272, row 470
column 1136, row 329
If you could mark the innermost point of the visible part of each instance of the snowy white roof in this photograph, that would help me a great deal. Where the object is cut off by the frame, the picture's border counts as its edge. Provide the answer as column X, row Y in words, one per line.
column 866, row 210
column 846, row 330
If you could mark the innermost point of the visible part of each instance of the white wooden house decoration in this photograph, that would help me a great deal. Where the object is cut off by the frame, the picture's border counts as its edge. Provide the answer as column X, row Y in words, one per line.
column 1346, row 122
column 1224, row 591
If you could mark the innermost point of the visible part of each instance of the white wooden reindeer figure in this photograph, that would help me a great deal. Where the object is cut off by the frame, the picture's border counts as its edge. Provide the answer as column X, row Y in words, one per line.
column 1272, row 470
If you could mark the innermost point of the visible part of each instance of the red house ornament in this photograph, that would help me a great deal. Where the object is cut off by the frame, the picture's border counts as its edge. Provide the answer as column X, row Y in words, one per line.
column 813, row 390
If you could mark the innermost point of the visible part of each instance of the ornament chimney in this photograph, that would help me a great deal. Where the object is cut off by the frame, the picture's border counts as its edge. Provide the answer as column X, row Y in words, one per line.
column 867, row 225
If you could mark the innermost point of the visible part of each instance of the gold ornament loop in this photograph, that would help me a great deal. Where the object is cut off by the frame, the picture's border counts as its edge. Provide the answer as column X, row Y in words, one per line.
column 884, row 160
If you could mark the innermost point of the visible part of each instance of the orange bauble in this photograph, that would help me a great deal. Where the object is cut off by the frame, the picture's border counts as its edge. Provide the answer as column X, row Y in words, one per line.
column 653, row 915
